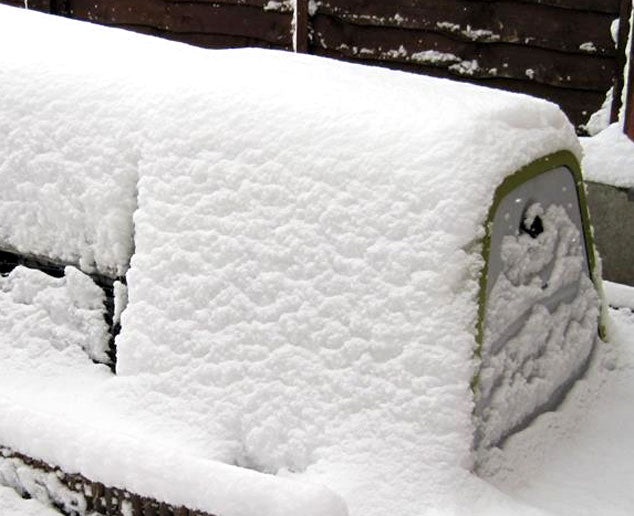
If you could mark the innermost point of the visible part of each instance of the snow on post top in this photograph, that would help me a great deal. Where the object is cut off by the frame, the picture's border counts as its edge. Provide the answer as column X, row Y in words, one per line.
column 302, row 285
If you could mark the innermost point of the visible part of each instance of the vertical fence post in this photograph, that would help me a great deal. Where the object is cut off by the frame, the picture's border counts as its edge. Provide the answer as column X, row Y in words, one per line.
column 621, row 49
column 300, row 36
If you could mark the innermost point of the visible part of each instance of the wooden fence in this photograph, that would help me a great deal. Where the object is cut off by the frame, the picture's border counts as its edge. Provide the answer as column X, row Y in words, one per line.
column 561, row 50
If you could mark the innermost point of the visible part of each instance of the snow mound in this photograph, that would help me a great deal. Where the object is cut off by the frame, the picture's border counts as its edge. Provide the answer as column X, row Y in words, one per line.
column 303, row 284
column 609, row 158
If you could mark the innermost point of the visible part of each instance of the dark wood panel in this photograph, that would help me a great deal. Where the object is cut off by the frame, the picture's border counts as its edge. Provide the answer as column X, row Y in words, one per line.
column 577, row 104
column 369, row 6
column 510, row 22
column 279, row 5
column 482, row 61
column 204, row 40
column 35, row 5
column 221, row 19
column 606, row 6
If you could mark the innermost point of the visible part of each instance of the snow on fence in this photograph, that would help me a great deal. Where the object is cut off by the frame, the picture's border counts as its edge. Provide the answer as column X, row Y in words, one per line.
column 75, row 494
column 560, row 50
column 328, row 267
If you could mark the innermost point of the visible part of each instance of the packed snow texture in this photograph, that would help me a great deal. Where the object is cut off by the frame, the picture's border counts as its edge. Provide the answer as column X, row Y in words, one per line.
column 68, row 164
column 12, row 504
column 609, row 157
column 541, row 323
column 619, row 296
column 303, row 292
column 38, row 311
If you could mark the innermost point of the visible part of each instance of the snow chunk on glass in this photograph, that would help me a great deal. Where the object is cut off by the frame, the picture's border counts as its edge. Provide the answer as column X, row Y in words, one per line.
column 541, row 323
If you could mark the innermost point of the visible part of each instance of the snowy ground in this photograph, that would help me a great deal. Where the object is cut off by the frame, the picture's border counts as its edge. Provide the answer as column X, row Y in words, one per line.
column 574, row 462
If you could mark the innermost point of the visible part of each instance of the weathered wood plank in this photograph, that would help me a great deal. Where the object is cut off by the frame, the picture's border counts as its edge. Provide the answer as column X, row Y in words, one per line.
column 220, row 19
column 606, row 6
column 204, row 40
column 577, row 104
column 35, row 5
column 505, row 21
column 368, row 6
column 300, row 21
column 268, row 5
column 477, row 61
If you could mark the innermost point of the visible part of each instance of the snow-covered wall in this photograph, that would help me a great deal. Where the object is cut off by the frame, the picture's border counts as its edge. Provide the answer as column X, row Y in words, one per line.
column 304, row 283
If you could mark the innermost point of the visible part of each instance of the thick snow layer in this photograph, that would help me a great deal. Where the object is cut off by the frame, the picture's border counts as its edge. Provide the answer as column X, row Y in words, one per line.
column 609, row 158
column 65, row 314
column 68, row 154
column 303, row 292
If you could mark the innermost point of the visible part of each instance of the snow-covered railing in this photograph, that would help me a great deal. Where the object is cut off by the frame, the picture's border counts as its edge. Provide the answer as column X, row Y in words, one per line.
column 74, row 494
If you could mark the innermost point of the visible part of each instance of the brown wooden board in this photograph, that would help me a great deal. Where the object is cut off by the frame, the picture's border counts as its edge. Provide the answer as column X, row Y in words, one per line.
column 205, row 40
column 607, row 6
column 365, row 6
column 35, row 5
column 278, row 5
column 242, row 21
column 494, row 60
column 577, row 104
column 510, row 22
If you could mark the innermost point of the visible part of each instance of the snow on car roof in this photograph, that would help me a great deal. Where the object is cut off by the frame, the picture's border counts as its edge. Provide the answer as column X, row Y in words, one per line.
column 302, row 232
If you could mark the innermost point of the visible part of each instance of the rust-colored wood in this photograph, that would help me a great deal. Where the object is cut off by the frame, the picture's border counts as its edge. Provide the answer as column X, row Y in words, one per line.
column 619, row 83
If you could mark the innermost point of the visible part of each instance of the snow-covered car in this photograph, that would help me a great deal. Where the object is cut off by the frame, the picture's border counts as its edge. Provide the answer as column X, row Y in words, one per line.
column 338, row 287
